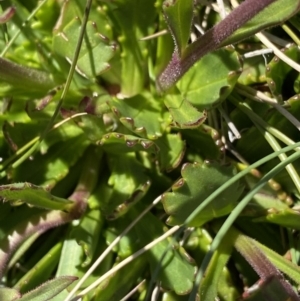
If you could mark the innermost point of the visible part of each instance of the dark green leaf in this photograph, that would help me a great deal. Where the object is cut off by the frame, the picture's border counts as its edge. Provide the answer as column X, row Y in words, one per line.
column 41, row 271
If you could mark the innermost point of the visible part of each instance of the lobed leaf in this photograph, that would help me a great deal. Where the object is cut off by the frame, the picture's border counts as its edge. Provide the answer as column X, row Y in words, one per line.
column 204, row 135
column 141, row 114
column 127, row 184
column 197, row 183
column 211, row 79
column 184, row 115
column 95, row 48
column 118, row 143
column 55, row 164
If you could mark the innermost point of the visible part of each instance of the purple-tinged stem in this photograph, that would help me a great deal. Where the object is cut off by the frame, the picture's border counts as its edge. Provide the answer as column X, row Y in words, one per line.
column 40, row 223
column 210, row 41
column 261, row 264
column 37, row 224
column 7, row 14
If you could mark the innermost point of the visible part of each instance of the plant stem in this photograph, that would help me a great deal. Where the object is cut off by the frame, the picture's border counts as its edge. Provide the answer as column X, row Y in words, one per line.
column 210, row 41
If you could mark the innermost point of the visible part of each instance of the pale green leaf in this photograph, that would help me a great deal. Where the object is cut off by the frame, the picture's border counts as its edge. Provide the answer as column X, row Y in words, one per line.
column 9, row 294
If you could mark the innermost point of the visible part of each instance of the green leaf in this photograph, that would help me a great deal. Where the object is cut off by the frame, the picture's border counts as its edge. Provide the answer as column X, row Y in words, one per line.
column 94, row 48
column 120, row 283
column 49, row 168
column 179, row 16
column 87, row 234
column 184, row 115
column 274, row 14
column 171, row 266
column 196, row 138
column 98, row 15
column 253, row 71
column 128, row 183
column 49, row 289
column 133, row 20
column 141, row 114
column 41, row 271
column 117, row 143
column 280, row 76
column 15, row 77
column 171, row 151
column 197, row 183
column 70, row 258
column 33, row 195
column 216, row 276
column 165, row 47
column 286, row 218
column 171, row 296
column 210, row 81
column 93, row 127
column 168, row 149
